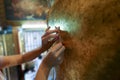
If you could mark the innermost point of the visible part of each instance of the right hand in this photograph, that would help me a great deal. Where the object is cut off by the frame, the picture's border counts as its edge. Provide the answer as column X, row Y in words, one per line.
column 46, row 42
column 55, row 55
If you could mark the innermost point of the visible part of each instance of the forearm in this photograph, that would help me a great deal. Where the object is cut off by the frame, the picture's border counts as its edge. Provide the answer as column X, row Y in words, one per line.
column 31, row 55
column 50, row 60
column 13, row 60
column 6, row 61
column 43, row 72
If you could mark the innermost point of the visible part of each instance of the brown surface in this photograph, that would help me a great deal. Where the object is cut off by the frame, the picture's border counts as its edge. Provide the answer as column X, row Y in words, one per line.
column 93, row 50
column 2, row 13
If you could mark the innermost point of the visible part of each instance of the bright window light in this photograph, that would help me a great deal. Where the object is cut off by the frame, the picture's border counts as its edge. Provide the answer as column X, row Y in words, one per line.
column 34, row 25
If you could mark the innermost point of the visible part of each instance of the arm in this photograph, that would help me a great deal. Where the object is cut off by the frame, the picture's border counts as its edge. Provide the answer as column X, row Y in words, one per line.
column 6, row 61
column 54, row 57
column 43, row 72
column 12, row 60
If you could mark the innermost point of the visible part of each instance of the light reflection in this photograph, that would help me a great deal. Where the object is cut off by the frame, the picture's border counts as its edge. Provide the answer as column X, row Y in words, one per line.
column 34, row 25
column 64, row 24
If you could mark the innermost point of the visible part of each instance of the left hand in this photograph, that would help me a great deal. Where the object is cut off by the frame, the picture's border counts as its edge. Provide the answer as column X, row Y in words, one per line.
column 49, row 38
column 55, row 55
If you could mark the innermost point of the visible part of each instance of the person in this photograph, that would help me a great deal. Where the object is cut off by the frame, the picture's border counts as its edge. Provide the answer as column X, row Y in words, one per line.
column 53, row 57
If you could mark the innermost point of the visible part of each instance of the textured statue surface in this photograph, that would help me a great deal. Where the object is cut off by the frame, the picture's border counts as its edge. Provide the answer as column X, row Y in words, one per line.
column 91, row 36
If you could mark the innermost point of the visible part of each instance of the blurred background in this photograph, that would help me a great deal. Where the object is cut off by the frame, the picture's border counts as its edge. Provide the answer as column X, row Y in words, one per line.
column 22, row 23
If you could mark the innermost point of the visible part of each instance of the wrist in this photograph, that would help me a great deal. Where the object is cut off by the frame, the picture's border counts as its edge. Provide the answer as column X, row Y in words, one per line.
column 43, row 72
column 43, row 49
column 46, row 64
column 45, row 68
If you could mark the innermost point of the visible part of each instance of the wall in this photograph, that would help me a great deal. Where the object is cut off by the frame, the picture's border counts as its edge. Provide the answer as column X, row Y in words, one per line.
column 91, row 37
column 14, row 70
column 2, row 11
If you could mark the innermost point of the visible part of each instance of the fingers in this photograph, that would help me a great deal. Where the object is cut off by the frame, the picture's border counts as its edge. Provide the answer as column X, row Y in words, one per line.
column 56, row 47
column 55, row 54
column 58, row 28
column 50, row 37
column 60, row 55
column 60, row 52
column 48, row 32
column 47, row 29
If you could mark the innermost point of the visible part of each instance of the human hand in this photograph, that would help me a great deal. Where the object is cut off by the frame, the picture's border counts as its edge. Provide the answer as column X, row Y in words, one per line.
column 49, row 38
column 54, row 56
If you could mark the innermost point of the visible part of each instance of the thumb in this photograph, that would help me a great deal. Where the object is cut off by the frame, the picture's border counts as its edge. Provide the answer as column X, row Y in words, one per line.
column 55, row 39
